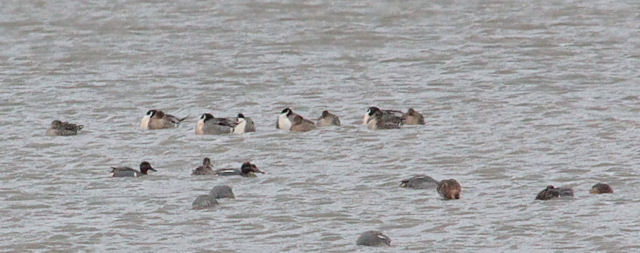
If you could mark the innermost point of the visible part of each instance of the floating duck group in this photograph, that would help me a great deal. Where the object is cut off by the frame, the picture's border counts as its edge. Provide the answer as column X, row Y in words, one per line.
column 374, row 118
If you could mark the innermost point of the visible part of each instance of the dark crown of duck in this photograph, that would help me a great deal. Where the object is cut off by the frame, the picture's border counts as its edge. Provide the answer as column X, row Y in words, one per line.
column 240, row 116
column 248, row 167
column 286, row 111
column 146, row 166
column 155, row 114
column 372, row 110
column 206, row 116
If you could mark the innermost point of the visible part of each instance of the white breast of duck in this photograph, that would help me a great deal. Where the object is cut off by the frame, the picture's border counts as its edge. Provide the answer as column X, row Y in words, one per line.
column 284, row 122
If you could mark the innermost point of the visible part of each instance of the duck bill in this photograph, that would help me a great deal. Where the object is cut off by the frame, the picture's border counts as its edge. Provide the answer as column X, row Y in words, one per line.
column 593, row 191
column 403, row 184
column 256, row 170
column 153, row 169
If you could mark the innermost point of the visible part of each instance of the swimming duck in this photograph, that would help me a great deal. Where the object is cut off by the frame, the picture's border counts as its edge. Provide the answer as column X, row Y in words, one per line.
column 59, row 128
column 412, row 117
column 328, row 119
column 551, row 192
column 245, row 125
column 379, row 120
column 211, row 125
column 204, row 169
column 386, row 114
column 222, row 191
column 156, row 119
column 601, row 188
column 246, row 170
column 449, row 189
column 419, row 182
column 285, row 119
column 302, row 125
column 204, row 202
column 373, row 238
column 129, row 172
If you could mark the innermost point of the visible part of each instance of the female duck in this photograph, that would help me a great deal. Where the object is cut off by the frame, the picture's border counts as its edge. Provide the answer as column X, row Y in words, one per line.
column 601, row 188
column 59, row 128
column 204, row 169
column 412, row 117
column 328, row 119
column 302, row 125
column 449, row 189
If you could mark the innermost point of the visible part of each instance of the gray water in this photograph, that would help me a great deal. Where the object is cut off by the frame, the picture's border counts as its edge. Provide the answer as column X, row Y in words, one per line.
column 516, row 94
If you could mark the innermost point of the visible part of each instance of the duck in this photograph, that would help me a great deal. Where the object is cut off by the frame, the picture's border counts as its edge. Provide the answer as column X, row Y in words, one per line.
column 204, row 169
column 386, row 114
column 204, row 202
column 600, row 188
column 285, row 119
column 412, row 117
column 222, row 191
column 59, row 128
column 246, row 170
column 449, row 189
column 156, row 119
column 328, row 119
column 245, row 125
column 208, row 124
column 302, row 125
column 129, row 172
column 379, row 120
column 419, row 182
column 552, row 192
column 373, row 238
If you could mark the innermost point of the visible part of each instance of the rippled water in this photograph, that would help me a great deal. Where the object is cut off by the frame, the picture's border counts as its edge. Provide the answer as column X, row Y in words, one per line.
column 517, row 95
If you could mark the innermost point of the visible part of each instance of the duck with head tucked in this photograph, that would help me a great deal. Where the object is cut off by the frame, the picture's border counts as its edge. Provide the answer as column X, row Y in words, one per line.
column 145, row 167
column 246, row 170
column 328, row 119
column 552, row 192
column 208, row 124
column 374, row 239
column 449, row 189
column 59, row 128
column 419, row 182
column 302, row 125
column 156, row 119
column 600, row 188
column 412, row 117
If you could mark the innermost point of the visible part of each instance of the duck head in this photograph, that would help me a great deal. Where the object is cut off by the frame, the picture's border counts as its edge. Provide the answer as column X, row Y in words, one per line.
column 206, row 162
column 145, row 167
column 286, row 111
column 248, row 168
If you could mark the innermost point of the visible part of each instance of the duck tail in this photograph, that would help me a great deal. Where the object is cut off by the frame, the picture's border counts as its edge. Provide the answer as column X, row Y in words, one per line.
column 182, row 119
